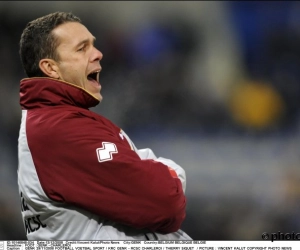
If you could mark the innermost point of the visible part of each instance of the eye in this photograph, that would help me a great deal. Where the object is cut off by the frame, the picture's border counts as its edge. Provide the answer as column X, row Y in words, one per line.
column 82, row 48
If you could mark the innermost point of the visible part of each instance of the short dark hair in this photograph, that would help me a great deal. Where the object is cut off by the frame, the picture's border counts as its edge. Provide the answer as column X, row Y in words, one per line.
column 38, row 42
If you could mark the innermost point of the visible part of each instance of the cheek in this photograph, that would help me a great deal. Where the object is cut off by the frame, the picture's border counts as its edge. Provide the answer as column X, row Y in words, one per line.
column 74, row 71
column 70, row 72
column 65, row 68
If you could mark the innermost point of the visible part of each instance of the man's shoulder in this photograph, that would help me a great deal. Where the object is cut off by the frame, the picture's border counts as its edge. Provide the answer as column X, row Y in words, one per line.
column 69, row 118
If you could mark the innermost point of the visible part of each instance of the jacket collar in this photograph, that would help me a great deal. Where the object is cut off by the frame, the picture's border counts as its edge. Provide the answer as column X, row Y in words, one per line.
column 39, row 92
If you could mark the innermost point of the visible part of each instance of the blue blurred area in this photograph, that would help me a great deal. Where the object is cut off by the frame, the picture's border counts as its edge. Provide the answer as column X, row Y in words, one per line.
column 255, row 20
column 212, row 85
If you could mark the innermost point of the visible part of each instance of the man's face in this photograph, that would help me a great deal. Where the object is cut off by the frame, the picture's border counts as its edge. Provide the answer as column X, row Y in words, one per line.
column 79, row 60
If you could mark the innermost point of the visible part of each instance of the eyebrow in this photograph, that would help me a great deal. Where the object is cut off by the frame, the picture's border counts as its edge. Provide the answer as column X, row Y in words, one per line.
column 85, row 41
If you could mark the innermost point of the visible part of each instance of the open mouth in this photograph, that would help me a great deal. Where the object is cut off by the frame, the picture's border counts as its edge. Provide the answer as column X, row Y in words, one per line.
column 94, row 76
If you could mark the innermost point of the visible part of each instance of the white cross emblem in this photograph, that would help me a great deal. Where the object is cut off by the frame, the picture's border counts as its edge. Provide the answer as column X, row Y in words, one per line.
column 105, row 153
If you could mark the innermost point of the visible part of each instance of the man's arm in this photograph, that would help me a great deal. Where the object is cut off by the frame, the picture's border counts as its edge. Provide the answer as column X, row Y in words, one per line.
column 84, row 163
column 147, row 153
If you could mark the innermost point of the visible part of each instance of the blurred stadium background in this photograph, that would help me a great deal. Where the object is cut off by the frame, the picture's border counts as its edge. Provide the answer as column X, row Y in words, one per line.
column 214, row 86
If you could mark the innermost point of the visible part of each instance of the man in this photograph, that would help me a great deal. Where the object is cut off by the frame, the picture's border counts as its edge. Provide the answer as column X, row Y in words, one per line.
column 80, row 176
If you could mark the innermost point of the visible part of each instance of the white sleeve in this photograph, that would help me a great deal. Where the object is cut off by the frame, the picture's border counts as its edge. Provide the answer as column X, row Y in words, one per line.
column 147, row 153
column 179, row 170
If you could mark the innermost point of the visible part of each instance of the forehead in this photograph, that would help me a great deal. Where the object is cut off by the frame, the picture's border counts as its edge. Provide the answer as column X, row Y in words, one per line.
column 72, row 33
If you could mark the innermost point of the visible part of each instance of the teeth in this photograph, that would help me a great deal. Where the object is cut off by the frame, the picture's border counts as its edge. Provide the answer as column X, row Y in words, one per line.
column 94, row 75
column 94, row 72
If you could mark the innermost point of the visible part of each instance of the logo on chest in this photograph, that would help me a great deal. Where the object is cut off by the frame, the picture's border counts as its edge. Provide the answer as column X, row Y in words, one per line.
column 106, row 152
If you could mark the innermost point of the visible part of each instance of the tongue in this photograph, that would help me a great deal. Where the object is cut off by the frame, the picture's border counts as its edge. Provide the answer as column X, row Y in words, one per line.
column 93, row 81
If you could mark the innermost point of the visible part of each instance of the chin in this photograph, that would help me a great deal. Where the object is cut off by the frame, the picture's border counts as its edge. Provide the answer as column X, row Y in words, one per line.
column 99, row 97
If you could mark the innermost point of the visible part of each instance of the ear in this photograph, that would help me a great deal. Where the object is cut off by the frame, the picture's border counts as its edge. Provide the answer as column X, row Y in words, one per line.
column 49, row 67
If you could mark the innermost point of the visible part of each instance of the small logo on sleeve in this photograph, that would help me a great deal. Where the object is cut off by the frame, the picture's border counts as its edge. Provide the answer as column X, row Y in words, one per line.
column 106, row 152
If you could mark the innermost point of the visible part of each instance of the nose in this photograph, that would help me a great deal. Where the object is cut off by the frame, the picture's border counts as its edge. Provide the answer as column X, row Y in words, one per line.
column 97, row 55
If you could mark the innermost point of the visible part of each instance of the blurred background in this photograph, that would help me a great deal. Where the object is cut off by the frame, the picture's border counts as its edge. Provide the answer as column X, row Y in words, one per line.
column 215, row 86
